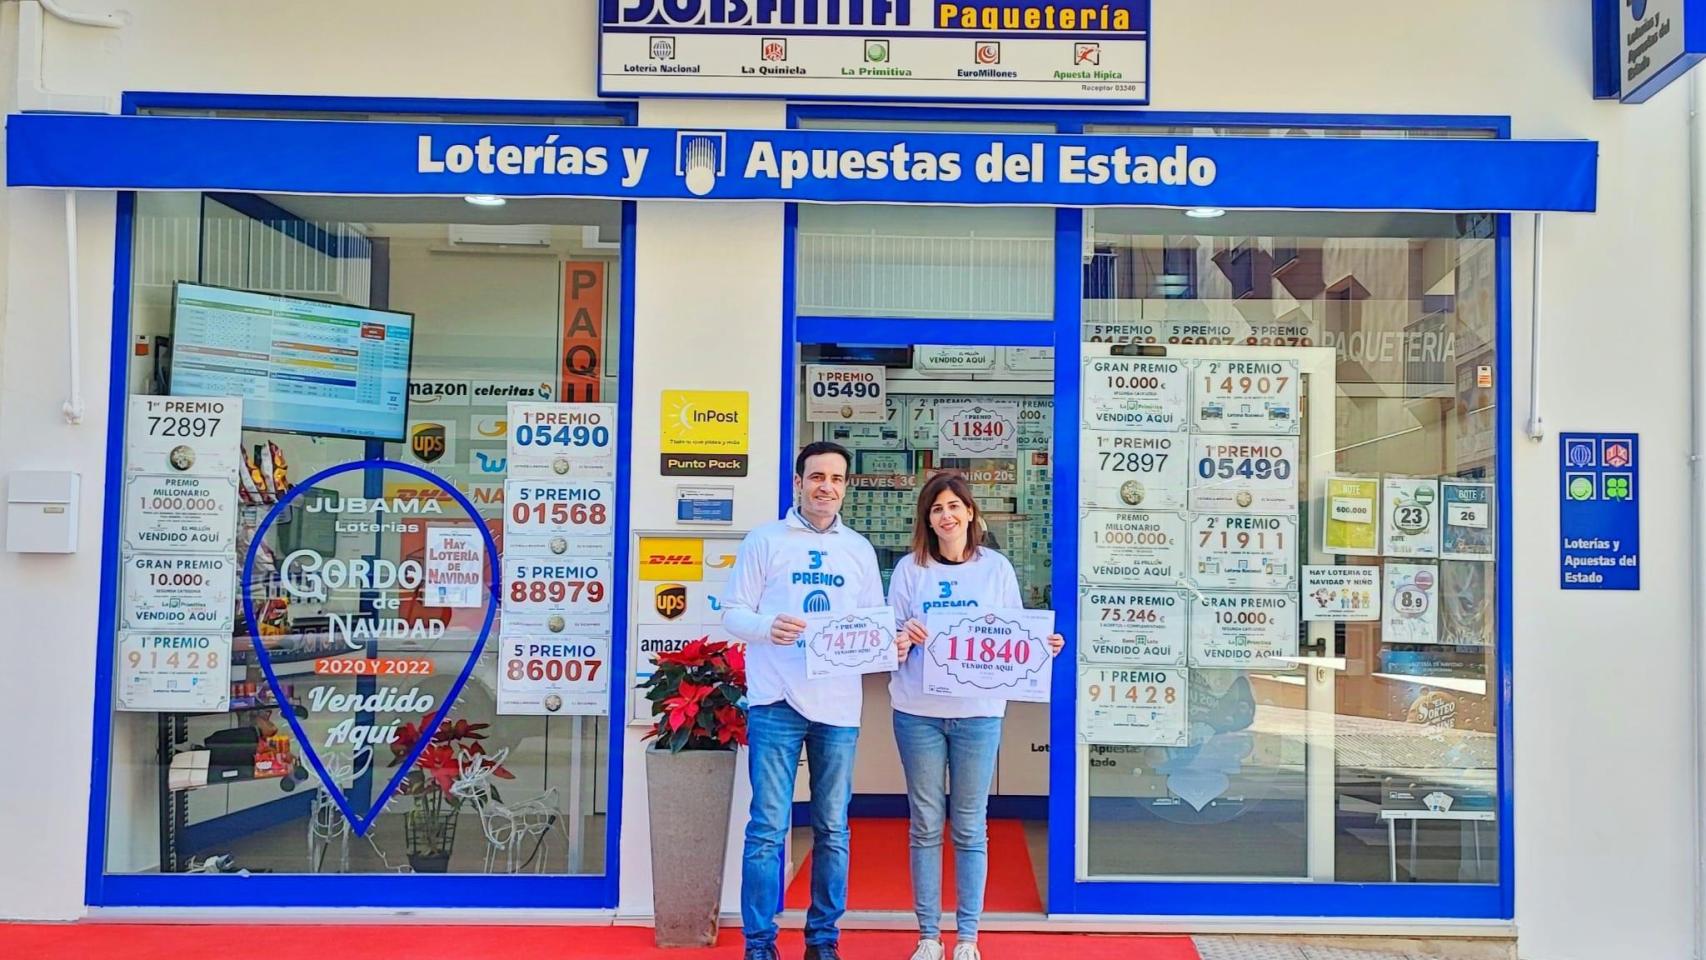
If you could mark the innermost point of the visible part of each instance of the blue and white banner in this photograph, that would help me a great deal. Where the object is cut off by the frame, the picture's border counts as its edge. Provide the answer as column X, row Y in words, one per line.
column 1068, row 51
column 809, row 166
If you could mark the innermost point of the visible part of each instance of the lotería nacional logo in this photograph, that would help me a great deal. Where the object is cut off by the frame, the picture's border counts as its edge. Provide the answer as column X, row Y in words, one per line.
column 428, row 441
column 670, row 600
column 700, row 158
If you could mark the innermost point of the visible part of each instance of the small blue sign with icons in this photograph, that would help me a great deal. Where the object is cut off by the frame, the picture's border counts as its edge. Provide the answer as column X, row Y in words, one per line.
column 1599, row 511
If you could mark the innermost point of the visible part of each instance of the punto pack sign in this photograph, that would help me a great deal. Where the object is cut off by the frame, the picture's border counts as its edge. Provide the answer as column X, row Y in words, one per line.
column 1080, row 51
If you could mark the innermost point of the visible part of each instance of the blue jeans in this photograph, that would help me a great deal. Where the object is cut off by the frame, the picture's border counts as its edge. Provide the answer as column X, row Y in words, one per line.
column 775, row 734
column 936, row 753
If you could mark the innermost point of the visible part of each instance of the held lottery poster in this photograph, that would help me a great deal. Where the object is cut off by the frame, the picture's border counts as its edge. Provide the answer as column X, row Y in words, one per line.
column 993, row 655
column 850, row 644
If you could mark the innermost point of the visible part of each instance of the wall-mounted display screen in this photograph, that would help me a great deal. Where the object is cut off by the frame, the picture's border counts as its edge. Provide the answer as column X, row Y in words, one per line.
column 301, row 366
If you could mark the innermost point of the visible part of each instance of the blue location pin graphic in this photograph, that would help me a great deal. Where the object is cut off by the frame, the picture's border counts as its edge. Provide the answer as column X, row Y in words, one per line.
column 361, row 823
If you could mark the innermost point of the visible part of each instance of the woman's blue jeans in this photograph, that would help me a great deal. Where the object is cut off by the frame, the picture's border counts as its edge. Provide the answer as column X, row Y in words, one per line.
column 950, row 766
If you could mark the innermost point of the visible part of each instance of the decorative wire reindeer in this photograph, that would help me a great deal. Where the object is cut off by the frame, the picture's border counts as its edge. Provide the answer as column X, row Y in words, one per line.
column 506, row 825
column 326, row 823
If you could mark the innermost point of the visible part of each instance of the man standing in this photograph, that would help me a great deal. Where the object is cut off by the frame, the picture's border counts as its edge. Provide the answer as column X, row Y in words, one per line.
column 807, row 562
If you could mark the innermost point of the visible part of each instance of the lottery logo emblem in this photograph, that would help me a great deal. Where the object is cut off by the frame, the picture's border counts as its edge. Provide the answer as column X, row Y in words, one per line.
column 816, row 602
column 553, row 702
column 1132, row 492
column 559, row 545
column 1245, row 498
column 182, row 457
column 986, row 53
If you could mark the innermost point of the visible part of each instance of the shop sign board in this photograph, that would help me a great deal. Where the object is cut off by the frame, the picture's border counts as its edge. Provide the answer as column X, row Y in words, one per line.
column 1140, row 706
column 1238, row 552
column 1028, row 50
column 1599, row 511
column 1132, row 627
column 166, row 591
column 1246, row 631
column 554, row 676
column 1126, row 548
column 1655, row 45
column 1136, row 393
column 568, row 441
column 846, row 393
column 704, row 433
column 1244, row 474
column 1246, row 396
column 1120, row 470
column 177, row 672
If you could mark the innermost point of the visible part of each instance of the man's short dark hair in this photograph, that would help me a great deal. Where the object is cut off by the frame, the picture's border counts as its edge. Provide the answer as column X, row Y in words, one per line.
column 821, row 447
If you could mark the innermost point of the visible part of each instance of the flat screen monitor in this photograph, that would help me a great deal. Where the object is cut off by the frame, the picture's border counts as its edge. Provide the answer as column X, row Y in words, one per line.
column 301, row 366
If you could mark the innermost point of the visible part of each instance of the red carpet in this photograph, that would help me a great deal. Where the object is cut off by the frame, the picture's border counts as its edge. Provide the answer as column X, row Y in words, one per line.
column 880, row 871
column 421, row 941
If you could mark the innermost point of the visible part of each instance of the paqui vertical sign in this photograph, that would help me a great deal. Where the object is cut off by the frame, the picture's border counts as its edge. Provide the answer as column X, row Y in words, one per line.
column 1081, row 51
column 1654, row 45
column 1599, row 511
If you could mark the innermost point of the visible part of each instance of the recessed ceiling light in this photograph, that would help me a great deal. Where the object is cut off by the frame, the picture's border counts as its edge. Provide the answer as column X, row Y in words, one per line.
column 1205, row 213
column 485, row 200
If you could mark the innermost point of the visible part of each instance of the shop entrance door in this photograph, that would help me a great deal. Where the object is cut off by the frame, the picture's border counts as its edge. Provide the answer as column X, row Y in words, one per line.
column 1204, row 707
column 925, row 388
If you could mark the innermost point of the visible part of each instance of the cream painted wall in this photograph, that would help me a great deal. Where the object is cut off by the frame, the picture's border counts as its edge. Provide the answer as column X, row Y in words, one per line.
column 1603, row 791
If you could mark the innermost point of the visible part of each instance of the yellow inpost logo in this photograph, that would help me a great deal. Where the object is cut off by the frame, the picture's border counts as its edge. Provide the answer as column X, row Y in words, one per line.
column 704, row 421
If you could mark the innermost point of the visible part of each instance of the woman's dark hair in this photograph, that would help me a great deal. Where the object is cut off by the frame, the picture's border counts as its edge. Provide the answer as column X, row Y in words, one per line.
column 926, row 546
column 819, row 447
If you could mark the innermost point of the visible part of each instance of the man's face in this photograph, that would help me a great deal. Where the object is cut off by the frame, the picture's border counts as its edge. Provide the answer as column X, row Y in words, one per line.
column 822, row 486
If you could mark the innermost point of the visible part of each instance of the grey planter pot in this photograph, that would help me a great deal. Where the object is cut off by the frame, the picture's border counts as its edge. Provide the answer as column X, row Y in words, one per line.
column 689, row 795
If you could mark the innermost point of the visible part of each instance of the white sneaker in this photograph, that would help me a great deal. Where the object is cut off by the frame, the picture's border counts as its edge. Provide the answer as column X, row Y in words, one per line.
column 967, row 951
column 928, row 950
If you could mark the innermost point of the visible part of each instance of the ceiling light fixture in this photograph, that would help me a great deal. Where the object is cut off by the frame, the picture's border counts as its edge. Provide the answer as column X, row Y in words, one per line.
column 485, row 200
column 1205, row 213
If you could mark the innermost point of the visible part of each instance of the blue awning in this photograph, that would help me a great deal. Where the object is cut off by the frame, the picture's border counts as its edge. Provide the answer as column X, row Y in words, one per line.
column 807, row 166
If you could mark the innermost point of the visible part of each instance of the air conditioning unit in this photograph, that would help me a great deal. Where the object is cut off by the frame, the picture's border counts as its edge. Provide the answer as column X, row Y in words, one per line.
column 500, row 235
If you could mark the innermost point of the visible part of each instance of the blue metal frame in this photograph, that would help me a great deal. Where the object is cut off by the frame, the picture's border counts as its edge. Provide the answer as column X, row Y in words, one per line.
column 322, row 890
column 1067, row 894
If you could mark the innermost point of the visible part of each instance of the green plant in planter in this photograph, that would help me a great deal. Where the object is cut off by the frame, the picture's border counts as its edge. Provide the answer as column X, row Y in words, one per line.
column 429, row 826
column 698, row 697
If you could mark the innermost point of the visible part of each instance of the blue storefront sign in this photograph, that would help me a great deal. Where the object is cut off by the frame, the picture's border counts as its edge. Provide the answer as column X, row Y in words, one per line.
column 1599, row 511
column 808, row 166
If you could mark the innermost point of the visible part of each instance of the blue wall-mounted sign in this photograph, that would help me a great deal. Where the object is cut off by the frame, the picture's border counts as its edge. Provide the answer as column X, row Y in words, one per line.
column 808, row 166
column 1640, row 46
column 1047, row 51
column 1599, row 511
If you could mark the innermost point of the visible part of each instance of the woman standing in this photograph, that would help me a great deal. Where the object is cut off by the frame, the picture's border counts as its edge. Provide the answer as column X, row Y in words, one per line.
column 947, row 739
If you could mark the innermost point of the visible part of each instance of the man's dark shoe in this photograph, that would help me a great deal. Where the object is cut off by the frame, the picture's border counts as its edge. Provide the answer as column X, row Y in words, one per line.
column 823, row 951
column 767, row 952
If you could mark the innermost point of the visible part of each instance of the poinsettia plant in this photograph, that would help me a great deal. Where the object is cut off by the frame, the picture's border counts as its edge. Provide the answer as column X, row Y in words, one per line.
column 430, row 825
column 698, row 697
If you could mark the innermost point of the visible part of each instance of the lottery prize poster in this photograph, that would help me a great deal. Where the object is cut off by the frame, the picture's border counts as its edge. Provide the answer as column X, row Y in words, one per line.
column 1132, row 626
column 1411, row 612
column 1236, row 552
column 1467, row 508
column 849, row 644
column 1352, row 526
column 846, row 393
column 1121, row 470
column 1136, row 393
column 1244, row 474
column 1136, row 706
column 1244, row 631
column 1341, row 593
column 558, row 619
column 179, row 562
column 1246, row 396
column 678, row 583
column 977, row 429
column 992, row 655
column 1131, row 547
column 1411, row 516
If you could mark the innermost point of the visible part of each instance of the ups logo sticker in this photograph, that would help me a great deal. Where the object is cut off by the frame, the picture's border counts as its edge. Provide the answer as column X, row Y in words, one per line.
column 428, row 442
column 670, row 600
